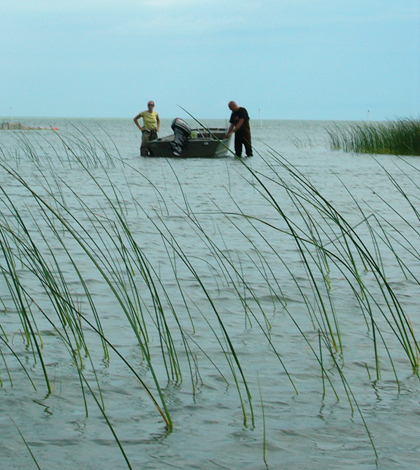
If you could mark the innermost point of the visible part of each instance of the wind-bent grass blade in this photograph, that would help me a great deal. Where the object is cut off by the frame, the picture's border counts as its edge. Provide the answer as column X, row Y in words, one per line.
column 26, row 444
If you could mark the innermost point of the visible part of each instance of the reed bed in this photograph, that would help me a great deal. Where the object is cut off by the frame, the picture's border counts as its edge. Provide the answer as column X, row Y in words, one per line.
column 400, row 137
column 56, row 245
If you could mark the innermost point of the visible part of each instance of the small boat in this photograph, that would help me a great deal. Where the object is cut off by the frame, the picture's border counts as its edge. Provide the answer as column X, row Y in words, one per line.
column 186, row 142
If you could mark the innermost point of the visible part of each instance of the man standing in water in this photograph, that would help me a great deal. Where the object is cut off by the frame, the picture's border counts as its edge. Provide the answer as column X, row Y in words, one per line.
column 239, row 125
column 151, row 126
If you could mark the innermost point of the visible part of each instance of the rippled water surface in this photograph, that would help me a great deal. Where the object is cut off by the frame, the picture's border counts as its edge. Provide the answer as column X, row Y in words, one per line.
column 203, row 249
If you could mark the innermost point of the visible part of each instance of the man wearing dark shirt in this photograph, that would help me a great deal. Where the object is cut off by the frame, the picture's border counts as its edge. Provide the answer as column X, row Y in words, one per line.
column 239, row 125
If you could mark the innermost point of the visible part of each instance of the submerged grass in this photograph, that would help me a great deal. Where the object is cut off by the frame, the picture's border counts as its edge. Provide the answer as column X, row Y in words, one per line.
column 400, row 137
column 52, row 237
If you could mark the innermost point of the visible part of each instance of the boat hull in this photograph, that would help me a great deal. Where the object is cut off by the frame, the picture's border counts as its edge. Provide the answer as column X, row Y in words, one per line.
column 208, row 143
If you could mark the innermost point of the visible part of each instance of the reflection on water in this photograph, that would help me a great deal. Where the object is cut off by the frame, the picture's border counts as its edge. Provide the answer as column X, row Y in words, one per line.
column 215, row 215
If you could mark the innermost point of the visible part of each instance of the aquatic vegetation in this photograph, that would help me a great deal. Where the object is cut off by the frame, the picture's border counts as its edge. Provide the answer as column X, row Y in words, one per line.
column 77, row 251
column 400, row 137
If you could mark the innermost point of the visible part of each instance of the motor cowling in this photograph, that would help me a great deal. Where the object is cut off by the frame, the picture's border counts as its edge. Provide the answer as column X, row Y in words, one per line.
column 182, row 132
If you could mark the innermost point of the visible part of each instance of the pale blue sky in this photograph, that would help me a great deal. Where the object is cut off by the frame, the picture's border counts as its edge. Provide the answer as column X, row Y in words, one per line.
column 283, row 59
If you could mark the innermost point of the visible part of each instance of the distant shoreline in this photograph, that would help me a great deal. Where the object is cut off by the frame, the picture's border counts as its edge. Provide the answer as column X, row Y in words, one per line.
column 17, row 126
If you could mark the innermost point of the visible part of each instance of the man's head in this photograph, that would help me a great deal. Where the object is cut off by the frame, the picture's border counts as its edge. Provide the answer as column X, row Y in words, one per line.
column 233, row 106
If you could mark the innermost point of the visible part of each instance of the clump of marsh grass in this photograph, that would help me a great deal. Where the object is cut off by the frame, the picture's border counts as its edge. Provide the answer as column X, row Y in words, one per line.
column 64, row 237
column 326, row 240
column 400, row 137
column 35, row 245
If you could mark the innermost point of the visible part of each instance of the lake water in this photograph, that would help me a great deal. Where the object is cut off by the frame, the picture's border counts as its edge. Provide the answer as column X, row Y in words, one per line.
column 203, row 249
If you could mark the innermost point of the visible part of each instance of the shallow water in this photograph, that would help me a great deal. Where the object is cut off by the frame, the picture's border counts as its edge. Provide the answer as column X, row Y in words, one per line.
column 253, row 276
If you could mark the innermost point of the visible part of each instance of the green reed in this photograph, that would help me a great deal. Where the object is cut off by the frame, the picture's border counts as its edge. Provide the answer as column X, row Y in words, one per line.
column 400, row 137
column 34, row 246
column 345, row 249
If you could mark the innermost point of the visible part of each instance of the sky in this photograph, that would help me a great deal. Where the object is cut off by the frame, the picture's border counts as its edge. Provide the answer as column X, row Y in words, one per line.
column 280, row 59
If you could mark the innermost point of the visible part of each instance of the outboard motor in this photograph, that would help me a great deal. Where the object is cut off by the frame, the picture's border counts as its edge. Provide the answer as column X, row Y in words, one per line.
column 181, row 133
